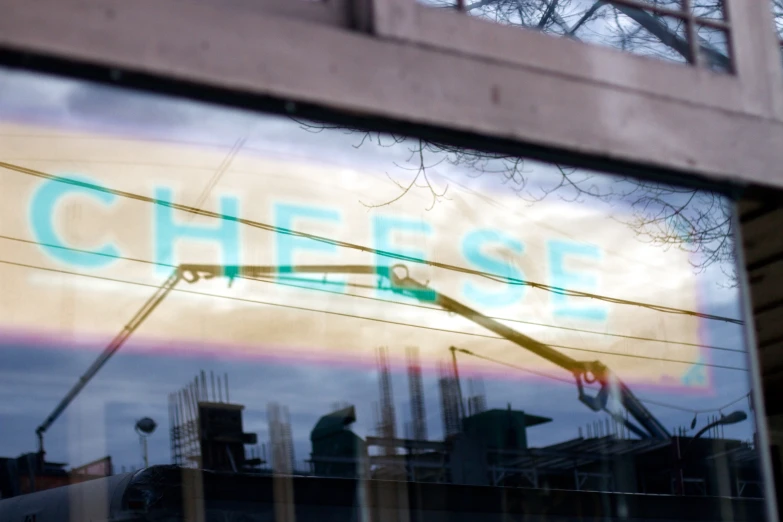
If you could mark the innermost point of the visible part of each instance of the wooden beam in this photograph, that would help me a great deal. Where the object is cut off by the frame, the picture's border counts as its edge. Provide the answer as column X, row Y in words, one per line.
column 360, row 74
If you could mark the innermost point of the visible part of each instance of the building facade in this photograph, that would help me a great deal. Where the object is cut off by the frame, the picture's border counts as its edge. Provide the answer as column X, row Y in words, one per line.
column 506, row 249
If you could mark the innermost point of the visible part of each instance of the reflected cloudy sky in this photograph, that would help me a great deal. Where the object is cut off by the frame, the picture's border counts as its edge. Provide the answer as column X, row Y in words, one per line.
column 60, row 322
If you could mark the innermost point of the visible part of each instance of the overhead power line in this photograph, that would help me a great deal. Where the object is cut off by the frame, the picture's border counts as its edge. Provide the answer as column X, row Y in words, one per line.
column 82, row 251
column 279, row 281
column 570, row 381
column 512, row 365
column 366, row 249
column 355, row 316
column 696, row 411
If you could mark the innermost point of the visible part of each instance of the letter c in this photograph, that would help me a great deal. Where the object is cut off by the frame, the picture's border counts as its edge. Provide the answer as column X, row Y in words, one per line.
column 42, row 209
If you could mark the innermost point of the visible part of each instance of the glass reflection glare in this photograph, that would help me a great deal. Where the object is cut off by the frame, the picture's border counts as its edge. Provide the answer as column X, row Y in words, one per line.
column 330, row 323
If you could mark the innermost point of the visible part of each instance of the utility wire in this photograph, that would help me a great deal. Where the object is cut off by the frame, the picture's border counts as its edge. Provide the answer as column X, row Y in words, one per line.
column 279, row 281
column 82, row 251
column 362, row 248
column 515, row 366
column 354, row 316
column 695, row 412
column 568, row 381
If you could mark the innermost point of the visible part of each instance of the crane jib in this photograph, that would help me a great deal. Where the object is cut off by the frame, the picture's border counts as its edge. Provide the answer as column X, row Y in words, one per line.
column 400, row 282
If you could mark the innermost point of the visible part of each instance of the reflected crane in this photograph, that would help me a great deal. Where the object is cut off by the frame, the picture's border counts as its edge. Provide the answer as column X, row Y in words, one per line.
column 400, row 282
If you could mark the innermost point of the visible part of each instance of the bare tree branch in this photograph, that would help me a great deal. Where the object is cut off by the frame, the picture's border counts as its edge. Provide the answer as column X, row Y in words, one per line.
column 421, row 172
column 696, row 222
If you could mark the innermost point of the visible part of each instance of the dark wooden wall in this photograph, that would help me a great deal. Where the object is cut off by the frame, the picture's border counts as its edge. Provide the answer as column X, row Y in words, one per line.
column 762, row 234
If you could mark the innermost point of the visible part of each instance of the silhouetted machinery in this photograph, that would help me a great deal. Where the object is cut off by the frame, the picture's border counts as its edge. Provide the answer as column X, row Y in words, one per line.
column 341, row 460
column 168, row 493
column 337, row 451
column 222, row 437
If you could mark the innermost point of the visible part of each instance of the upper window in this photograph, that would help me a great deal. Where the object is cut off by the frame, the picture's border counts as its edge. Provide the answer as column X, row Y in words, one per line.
column 685, row 31
column 777, row 10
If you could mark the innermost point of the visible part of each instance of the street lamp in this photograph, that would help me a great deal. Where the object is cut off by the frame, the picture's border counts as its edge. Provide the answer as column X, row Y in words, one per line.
column 724, row 420
column 145, row 427
column 732, row 418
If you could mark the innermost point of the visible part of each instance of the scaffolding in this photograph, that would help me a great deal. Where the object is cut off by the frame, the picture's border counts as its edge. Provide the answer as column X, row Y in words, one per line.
column 280, row 439
column 387, row 426
column 416, row 389
column 184, row 425
column 449, row 400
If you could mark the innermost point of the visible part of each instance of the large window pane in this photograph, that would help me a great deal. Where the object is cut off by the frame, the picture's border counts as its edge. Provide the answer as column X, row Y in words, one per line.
column 287, row 317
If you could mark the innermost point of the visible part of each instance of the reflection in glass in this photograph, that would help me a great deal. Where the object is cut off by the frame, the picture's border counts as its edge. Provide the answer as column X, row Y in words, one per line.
column 777, row 11
column 637, row 31
column 714, row 46
column 712, row 9
column 326, row 323
column 659, row 32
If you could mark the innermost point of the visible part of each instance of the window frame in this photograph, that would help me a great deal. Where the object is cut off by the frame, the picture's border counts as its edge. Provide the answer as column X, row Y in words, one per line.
column 747, row 90
column 754, row 369
column 338, row 13
column 365, row 70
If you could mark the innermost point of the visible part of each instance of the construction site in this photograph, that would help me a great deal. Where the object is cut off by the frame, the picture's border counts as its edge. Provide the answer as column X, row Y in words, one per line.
column 483, row 462
column 483, row 449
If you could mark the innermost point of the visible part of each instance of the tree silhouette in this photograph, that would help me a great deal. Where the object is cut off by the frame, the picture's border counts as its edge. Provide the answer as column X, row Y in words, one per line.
column 696, row 221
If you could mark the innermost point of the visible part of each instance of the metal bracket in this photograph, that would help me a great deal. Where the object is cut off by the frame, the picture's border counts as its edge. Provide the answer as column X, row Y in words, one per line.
column 596, row 403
